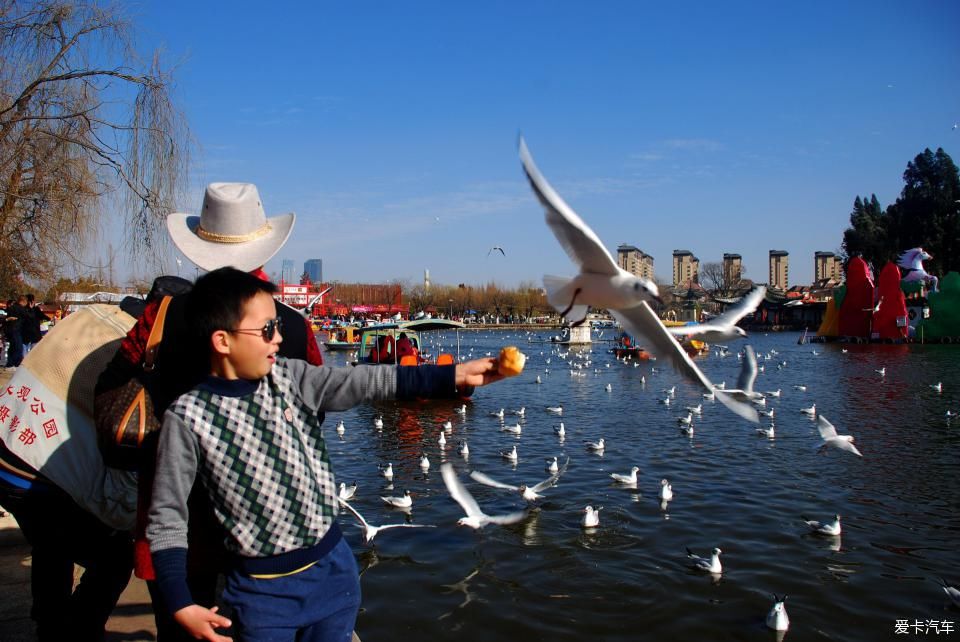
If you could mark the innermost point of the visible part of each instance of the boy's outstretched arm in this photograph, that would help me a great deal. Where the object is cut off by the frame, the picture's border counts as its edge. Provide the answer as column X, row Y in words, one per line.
column 200, row 622
column 478, row 372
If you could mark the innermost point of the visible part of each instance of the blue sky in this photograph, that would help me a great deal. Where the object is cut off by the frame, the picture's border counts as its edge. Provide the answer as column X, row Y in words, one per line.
column 390, row 128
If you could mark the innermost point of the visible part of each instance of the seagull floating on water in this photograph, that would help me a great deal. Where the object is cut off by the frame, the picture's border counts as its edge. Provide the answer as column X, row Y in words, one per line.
column 769, row 433
column 378, row 422
column 497, row 414
column 561, row 431
column 370, row 531
column 882, row 371
column 386, row 471
column 697, row 410
column 629, row 479
column 340, row 427
column 800, row 388
column 552, row 464
column 442, row 440
column 406, row 501
column 556, row 410
column 516, row 429
column 686, row 420
column 811, row 411
column 462, row 410
column 591, row 517
column 509, row 454
column 464, row 449
column 347, row 492
column 937, row 386
column 777, row 618
column 824, row 528
column 595, row 446
column 603, row 284
column 475, row 517
column 666, row 491
column 831, row 438
column 711, row 565
column 424, row 463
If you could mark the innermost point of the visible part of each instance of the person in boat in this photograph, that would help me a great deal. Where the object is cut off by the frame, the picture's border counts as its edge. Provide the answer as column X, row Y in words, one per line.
column 382, row 351
column 405, row 347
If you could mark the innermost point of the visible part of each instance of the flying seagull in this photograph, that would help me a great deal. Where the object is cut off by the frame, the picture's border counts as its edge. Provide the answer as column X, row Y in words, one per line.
column 529, row 493
column 370, row 531
column 475, row 518
column 603, row 284
column 830, row 437
column 496, row 248
column 724, row 327
column 748, row 375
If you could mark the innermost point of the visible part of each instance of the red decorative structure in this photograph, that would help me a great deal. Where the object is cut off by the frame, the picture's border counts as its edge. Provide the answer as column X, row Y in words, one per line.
column 856, row 311
column 890, row 321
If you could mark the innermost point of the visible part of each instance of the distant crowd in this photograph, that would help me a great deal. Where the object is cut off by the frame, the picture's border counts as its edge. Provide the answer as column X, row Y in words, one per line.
column 21, row 328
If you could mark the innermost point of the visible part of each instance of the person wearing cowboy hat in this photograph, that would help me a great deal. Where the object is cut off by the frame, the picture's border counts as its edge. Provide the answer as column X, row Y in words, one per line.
column 231, row 229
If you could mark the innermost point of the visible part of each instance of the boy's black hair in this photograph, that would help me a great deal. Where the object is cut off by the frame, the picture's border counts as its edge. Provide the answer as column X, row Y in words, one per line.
column 216, row 302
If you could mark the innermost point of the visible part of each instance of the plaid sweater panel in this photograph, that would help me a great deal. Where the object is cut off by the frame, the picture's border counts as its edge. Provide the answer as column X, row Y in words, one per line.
column 265, row 466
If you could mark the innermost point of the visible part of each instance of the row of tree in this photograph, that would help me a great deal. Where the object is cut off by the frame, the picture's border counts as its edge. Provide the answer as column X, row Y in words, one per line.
column 927, row 215
column 86, row 126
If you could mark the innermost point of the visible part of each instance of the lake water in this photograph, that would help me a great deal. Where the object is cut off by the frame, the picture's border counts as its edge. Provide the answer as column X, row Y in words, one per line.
column 548, row 579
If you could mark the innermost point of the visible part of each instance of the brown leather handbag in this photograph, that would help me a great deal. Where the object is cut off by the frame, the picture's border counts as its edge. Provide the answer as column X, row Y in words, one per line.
column 124, row 415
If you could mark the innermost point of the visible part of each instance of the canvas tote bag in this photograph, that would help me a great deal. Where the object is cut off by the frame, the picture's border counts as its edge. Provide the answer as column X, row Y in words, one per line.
column 46, row 412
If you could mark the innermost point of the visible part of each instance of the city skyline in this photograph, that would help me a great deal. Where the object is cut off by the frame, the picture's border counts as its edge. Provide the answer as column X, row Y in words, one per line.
column 391, row 133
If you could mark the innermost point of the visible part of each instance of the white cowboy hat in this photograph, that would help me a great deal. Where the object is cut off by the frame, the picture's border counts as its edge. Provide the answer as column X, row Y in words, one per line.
column 232, row 229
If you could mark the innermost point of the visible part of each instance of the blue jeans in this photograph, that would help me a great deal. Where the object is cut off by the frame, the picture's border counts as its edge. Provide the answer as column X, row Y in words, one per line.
column 319, row 604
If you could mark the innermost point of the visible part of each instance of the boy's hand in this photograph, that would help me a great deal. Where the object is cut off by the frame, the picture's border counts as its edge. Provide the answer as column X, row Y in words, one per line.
column 200, row 622
column 478, row 372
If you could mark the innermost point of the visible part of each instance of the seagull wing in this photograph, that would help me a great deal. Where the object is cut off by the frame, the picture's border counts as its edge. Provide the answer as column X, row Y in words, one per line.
column 580, row 242
column 748, row 371
column 843, row 444
column 694, row 329
column 459, row 492
column 827, row 431
column 359, row 517
column 386, row 526
column 745, row 306
column 511, row 518
column 641, row 320
column 552, row 479
column 489, row 481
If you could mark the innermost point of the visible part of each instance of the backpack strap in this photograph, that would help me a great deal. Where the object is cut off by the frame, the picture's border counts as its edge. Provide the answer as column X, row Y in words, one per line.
column 156, row 336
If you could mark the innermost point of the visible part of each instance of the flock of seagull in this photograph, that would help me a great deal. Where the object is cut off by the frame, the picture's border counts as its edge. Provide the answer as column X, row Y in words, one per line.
column 600, row 283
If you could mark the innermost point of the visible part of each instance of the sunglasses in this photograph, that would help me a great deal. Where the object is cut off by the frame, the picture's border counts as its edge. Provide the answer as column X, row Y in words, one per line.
column 267, row 332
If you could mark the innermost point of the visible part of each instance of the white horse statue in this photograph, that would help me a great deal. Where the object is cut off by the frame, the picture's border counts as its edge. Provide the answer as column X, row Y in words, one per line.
column 911, row 263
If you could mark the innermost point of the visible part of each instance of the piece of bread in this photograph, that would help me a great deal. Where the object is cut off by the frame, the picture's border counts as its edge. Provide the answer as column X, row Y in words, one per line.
column 510, row 362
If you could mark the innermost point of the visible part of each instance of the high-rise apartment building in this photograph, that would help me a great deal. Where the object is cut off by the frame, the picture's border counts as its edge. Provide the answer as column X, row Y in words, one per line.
column 779, row 269
column 732, row 269
column 827, row 265
column 286, row 272
column 686, row 267
column 313, row 268
column 635, row 261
